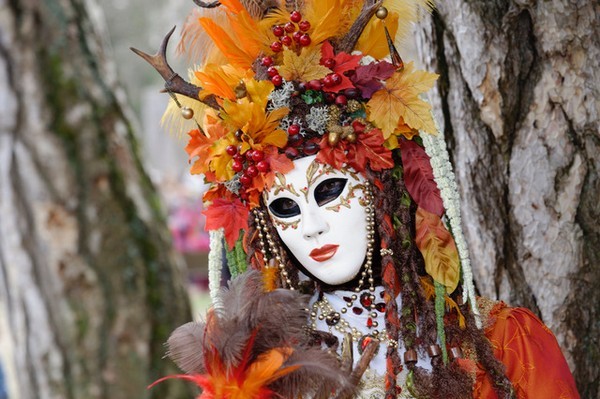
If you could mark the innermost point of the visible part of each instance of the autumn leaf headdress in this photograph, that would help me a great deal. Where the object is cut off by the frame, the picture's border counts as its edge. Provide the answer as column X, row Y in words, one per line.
column 280, row 80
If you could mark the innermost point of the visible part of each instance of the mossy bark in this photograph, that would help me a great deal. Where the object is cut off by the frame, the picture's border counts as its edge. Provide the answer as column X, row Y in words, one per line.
column 89, row 286
column 518, row 100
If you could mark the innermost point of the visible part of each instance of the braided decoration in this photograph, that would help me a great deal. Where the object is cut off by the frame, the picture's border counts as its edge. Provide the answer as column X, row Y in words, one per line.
column 389, row 279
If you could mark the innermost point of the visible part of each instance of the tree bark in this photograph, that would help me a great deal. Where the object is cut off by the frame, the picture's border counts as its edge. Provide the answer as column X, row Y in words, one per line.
column 519, row 102
column 89, row 287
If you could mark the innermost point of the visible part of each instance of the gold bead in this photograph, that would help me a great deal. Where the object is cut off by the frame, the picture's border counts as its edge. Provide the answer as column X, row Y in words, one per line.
column 187, row 113
column 381, row 13
column 333, row 138
column 351, row 137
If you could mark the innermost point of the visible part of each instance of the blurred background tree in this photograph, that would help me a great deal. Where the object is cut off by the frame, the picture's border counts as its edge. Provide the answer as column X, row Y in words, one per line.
column 519, row 101
column 89, row 285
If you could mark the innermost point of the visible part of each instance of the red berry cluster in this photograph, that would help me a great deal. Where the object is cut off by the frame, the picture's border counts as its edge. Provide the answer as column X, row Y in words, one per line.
column 250, row 164
column 272, row 71
column 293, row 33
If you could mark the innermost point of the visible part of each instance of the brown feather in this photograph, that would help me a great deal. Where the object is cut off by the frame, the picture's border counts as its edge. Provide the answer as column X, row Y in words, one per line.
column 184, row 347
column 258, row 8
column 319, row 371
column 292, row 5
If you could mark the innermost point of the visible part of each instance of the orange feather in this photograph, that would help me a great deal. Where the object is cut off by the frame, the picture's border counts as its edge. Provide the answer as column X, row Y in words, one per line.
column 246, row 32
column 270, row 278
column 235, row 6
column 236, row 55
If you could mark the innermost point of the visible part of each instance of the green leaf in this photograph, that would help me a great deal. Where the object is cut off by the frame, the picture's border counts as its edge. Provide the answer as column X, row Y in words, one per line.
column 312, row 97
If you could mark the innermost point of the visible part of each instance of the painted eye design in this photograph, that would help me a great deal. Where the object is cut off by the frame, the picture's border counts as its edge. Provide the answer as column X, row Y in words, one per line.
column 328, row 190
column 284, row 208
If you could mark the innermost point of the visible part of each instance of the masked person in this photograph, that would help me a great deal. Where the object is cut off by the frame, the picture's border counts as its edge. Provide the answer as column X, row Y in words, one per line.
column 329, row 178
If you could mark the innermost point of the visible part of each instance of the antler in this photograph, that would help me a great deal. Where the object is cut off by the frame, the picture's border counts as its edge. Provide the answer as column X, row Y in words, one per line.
column 202, row 4
column 347, row 43
column 173, row 82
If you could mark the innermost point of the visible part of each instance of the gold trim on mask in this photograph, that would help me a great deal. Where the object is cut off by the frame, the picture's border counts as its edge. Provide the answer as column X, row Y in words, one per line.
column 345, row 201
column 285, row 225
column 280, row 184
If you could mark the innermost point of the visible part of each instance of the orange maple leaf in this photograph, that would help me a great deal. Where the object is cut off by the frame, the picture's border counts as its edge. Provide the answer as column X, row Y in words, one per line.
column 399, row 98
column 303, row 67
column 209, row 148
column 198, row 147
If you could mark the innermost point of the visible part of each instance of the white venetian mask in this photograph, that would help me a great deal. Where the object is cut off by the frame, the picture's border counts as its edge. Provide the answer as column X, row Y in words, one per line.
column 319, row 213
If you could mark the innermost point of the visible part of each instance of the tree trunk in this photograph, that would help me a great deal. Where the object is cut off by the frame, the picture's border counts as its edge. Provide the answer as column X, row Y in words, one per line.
column 519, row 101
column 89, row 287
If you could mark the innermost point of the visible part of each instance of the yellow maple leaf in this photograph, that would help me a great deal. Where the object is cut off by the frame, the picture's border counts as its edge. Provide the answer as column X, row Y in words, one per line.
column 303, row 67
column 399, row 98
column 438, row 249
column 401, row 130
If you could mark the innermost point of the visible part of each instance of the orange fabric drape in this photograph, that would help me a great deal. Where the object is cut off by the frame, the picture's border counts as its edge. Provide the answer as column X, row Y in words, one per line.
column 534, row 362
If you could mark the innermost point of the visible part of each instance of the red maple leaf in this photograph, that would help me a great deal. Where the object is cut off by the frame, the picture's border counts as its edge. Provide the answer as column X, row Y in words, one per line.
column 369, row 148
column 344, row 62
column 332, row 155
column 231, row 215
column 418, row 177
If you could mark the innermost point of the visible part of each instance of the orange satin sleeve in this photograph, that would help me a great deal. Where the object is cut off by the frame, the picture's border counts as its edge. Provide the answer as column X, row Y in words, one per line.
column 534, row 362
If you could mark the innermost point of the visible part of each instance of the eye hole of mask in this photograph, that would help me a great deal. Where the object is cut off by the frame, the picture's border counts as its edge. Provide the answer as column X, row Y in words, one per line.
column 284, row 208
column 328, row 190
